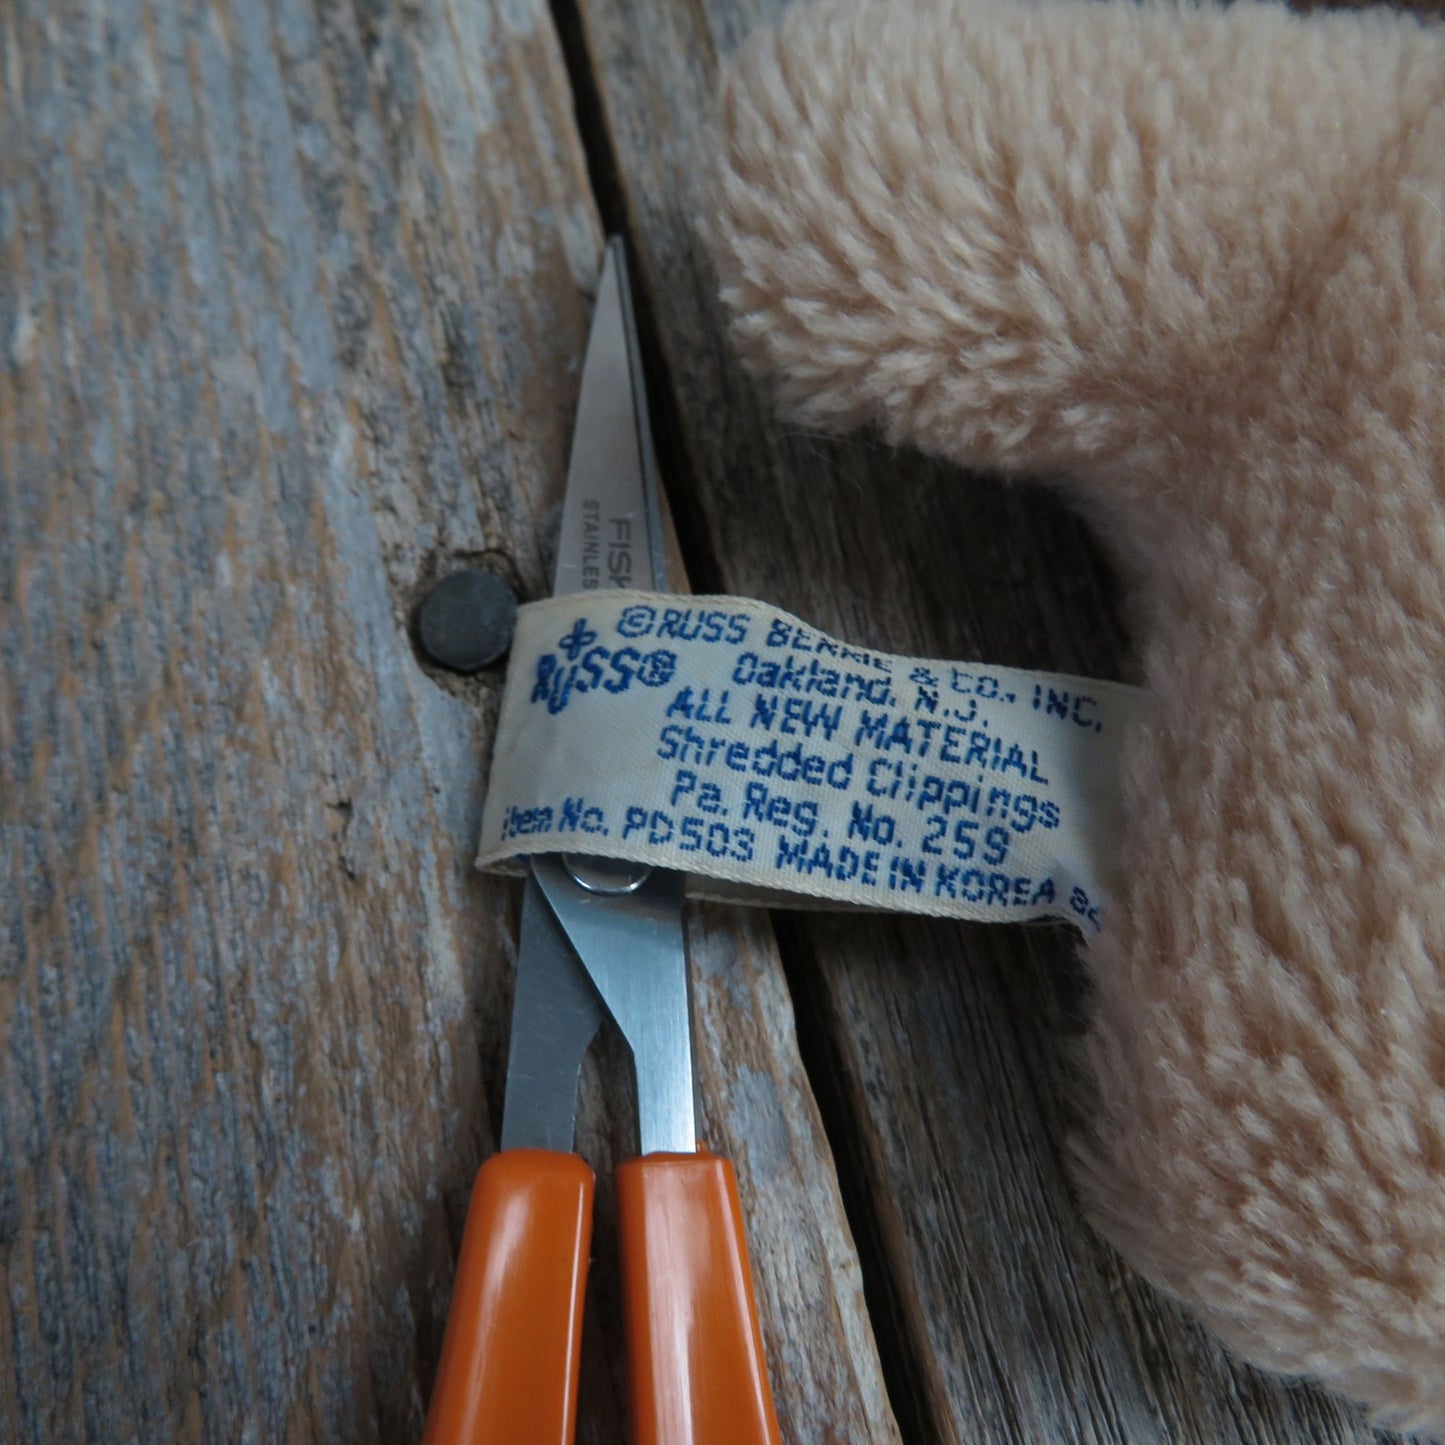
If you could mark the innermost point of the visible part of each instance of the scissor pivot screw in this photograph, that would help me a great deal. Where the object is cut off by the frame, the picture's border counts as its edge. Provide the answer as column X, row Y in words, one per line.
column 606, row 875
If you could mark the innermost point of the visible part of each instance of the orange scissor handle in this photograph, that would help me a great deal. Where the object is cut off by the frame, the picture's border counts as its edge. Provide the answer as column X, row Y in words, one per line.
column 508, row 1368
column 695, row 1353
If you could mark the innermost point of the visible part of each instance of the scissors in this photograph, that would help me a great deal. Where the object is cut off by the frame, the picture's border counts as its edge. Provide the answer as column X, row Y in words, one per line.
column 603, row 939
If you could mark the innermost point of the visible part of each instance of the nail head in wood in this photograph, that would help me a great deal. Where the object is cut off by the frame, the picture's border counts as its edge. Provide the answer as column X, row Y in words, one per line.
column 467, row 620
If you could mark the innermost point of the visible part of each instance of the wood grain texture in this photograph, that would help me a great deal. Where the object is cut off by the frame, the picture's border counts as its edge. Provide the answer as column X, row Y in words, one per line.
column 942, row 1051
column 292, row 301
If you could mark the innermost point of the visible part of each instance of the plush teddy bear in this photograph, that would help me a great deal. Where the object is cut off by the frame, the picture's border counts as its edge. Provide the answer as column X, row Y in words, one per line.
column 1191, row 262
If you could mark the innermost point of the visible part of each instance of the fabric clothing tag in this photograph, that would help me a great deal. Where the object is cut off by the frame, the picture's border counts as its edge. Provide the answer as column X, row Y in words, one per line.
column 771, row 763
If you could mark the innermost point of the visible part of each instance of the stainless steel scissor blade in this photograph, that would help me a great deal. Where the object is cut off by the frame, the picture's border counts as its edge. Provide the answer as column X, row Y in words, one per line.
column 612, row 516
column 624, row 921
column 555, row 1016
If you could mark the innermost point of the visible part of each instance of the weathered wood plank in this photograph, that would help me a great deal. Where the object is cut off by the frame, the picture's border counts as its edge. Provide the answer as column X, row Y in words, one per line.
column 252, row 374
column 292, row 300
column 942, row 1051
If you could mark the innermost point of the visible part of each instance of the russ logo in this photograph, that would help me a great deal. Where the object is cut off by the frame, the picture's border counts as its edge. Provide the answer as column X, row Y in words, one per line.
column 582, row 665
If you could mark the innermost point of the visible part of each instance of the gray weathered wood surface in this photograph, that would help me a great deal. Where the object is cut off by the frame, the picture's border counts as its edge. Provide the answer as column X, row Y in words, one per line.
column 292, row 297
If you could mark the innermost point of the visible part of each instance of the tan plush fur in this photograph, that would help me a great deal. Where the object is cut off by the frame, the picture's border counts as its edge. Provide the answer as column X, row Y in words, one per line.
column 1193, row 262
